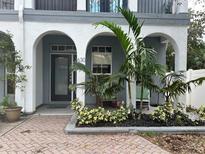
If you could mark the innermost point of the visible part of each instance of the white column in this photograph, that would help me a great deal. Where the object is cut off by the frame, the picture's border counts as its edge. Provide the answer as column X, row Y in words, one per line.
column 29, row 4
column 81, row 52
column 132, row 5
column 81, row 5
column 181, row 60
column 181, row 56
column 182, row 6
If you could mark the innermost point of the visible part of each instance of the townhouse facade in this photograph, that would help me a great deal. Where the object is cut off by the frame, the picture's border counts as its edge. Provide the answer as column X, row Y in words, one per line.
column 53, row 34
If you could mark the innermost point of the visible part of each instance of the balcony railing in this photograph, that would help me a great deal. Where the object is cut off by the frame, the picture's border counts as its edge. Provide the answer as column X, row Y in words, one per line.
column 6, row 4
column 59, row 5
column 155, row 6
column 105, row 5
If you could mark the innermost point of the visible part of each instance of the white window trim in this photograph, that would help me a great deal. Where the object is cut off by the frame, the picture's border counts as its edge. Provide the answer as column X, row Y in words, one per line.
column 62, row 51
column 98, row 46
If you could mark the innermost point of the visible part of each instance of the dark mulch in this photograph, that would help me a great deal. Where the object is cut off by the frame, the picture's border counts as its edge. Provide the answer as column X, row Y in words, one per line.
column 145, row 121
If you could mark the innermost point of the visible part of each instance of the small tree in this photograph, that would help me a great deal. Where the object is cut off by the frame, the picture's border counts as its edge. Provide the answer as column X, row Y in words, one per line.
column 103, row 87
column 140, row 63
column 12, row 61
column 174, row 85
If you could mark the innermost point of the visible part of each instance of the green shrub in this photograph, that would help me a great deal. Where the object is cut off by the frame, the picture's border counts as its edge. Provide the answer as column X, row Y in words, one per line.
column 163, row 113
column 201, row 112
column 118, row 115
column 6, row 103
column 88, row 116
column 170, row 116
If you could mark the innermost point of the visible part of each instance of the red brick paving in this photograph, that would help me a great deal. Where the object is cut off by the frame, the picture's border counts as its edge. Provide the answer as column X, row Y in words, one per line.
column 45, row 135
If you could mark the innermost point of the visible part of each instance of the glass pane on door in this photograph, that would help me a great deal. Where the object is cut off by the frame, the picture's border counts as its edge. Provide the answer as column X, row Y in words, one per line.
column 61, row 76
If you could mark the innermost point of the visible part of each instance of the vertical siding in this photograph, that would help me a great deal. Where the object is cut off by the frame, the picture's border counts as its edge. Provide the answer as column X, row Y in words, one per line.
column 155, row 6
column 63, row 5
column 7, row 4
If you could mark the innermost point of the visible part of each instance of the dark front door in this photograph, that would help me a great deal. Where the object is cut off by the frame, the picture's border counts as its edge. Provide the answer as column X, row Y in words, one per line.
column 60, row 77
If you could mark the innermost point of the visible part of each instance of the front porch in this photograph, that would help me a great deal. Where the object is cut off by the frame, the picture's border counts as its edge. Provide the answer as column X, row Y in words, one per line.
column 56, row 52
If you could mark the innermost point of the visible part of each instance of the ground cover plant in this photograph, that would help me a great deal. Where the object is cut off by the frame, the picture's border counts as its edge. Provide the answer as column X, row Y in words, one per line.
column 165, row 115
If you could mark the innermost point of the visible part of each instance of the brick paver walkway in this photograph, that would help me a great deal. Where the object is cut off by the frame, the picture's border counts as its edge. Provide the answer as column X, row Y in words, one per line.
column 45, row 134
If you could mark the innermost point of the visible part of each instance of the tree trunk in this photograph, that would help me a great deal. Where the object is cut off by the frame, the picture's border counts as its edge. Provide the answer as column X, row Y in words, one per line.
column 98, row 101
column 130, row 95
column 141, row 100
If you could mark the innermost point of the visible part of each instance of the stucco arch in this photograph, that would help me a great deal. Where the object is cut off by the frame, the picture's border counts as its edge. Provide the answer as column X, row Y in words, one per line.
column 38, row 65
column 40, row 36
column 171, row 39
column 177, row 45
column 95, row 35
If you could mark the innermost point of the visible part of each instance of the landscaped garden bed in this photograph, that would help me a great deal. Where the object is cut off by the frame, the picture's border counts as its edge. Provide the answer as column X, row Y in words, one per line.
column 139, row 68
column 145, row 121
column 163, row 116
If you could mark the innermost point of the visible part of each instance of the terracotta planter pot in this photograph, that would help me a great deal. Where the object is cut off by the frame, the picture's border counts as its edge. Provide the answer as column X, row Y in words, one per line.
column 13, row 114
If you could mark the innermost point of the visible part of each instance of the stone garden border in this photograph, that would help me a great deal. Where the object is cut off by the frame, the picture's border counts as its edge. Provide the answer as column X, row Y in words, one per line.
column 72, row 129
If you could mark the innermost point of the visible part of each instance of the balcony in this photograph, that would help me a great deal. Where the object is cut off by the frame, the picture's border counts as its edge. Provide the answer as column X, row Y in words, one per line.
column 58, row 5
column 155, row 6
column 6, row 4
column 105, row 5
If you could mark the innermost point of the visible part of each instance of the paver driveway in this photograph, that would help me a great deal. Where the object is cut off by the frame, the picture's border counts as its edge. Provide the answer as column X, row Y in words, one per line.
column 45, row 134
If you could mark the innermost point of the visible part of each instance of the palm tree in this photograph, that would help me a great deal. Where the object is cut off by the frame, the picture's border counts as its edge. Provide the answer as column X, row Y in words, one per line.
column 140, row 63
column 101, row 86
column 174, row 85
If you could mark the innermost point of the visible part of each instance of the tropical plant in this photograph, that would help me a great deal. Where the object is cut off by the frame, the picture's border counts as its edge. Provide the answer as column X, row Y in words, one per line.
column 92, row 116
column 6, row 103
column 201, row 112
column 174, row 85
column 103, row 87
column 140, row 63
column 13, row 62
column 173, row 116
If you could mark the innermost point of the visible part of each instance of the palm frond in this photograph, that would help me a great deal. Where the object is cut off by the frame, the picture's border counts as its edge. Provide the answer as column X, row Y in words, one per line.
column 81, row 67
column 132, row 21
column 125, row 40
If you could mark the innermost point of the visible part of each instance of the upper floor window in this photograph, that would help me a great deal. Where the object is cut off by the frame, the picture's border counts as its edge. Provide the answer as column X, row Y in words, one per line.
column 155, row 6
column 105, row 5
column 102, row 60
column 58, row 5
column 7, row 4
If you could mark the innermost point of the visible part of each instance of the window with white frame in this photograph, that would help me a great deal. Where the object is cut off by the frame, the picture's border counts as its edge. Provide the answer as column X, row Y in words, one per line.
column 102, row 60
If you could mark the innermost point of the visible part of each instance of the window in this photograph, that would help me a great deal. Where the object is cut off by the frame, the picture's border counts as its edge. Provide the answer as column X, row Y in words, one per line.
column 101, row 60
column 63, row 48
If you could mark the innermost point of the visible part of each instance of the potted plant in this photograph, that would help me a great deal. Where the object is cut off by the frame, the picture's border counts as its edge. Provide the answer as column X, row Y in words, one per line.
column 11, row 110
column 15, row 75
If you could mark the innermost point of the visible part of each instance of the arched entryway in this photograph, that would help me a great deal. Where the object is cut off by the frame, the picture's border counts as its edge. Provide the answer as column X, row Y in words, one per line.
column 104, row 56
column 166, row 48
column 55, row 52
column 7, row 87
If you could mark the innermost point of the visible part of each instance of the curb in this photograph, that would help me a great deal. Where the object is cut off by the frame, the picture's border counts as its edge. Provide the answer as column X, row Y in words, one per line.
column 72, row 129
